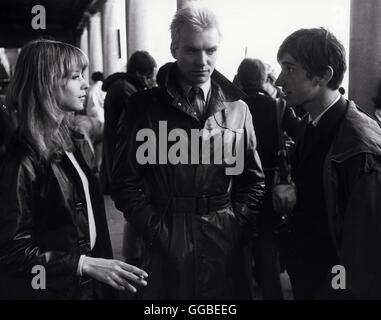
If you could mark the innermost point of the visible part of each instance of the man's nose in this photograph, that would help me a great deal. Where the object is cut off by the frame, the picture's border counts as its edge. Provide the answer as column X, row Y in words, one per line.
column 279, row 81
column 201, row 59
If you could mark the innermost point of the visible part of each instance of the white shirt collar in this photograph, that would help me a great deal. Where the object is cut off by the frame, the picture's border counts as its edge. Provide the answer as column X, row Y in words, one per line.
column 317, row 119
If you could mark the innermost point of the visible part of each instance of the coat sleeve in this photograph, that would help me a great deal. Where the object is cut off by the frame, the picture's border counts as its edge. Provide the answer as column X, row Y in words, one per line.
column 20, row 249
column 128, row 188
column 249, row 186
column 359, row 228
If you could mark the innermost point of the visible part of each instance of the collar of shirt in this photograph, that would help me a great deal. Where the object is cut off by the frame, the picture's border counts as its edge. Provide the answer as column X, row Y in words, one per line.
column 205, row 87
column 316, row 120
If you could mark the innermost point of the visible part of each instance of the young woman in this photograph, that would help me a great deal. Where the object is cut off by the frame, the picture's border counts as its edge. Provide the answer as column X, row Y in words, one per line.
column 54, row 240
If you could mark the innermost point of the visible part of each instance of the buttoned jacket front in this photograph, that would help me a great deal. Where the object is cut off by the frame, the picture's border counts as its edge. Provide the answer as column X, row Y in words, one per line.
column 190, row 254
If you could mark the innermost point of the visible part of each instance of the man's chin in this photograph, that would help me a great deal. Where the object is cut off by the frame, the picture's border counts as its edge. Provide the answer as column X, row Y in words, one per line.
column 200, row 80
column 290, row 102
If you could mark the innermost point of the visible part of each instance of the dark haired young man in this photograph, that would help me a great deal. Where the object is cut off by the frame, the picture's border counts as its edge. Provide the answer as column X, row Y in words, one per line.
column 337, row 176
column 140, row 75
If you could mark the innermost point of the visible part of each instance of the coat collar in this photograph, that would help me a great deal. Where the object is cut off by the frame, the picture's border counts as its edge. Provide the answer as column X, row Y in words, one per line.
column 130, row 78
column 82, row 144
column 331, row 119
column 358, row 133
column 255, row 91
column 325, row 129
column 222, row 91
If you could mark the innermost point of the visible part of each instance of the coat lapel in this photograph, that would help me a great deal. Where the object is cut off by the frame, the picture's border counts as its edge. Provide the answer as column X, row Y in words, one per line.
column 325, row 129
column 222, row 91
column 85, row 153
column 303, row 149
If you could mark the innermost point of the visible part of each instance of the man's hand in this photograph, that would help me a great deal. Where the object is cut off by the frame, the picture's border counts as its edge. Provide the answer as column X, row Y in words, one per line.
column 284, row 198
column 114, row 273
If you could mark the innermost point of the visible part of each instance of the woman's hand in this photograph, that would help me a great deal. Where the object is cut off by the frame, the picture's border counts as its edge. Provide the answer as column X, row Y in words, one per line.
column 115, row 273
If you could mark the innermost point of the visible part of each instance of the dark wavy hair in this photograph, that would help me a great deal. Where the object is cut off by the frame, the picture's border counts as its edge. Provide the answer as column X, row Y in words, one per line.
column 42, row 71
column 251, row 73
column 316, row 49
column 141, row 62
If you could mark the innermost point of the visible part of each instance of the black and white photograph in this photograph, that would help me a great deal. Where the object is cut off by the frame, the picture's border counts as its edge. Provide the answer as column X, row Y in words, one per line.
column 187, row 157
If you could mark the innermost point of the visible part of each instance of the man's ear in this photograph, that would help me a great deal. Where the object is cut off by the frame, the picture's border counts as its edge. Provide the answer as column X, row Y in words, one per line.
column 326, row 77
column 173, row 50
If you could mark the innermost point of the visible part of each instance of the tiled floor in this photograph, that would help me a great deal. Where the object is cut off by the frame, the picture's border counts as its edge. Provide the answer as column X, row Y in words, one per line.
column 116, row 222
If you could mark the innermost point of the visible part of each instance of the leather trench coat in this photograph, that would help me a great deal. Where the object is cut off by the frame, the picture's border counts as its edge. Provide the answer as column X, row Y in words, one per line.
column 193, row 217
column 43, row 221
column 352, row 185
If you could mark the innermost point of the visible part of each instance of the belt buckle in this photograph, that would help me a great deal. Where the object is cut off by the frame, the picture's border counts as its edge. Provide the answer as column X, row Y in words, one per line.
column 202, row 205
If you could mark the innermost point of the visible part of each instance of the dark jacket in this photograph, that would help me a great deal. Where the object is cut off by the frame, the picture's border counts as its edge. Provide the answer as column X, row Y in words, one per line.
column 6, row 128
column 310, row 235
column 43, row 221
column 263, row 110
column 119, row 87
column 192, row 216
column 352, row 184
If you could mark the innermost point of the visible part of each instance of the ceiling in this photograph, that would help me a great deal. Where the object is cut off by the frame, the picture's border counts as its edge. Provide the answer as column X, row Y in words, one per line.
column 62, row 20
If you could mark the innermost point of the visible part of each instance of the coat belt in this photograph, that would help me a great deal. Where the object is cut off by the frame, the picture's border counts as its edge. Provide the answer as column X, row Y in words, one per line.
column 196, row 205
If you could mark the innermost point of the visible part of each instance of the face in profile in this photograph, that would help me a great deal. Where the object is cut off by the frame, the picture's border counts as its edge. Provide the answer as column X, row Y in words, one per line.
column 298, row 88
column 196, row 54
column 149, row 80
column 74, row 92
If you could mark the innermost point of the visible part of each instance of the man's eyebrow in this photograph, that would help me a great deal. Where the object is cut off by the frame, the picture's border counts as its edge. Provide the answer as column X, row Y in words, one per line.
column 287, row 63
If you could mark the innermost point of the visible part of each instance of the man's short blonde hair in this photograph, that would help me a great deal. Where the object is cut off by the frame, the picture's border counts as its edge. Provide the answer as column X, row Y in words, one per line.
column 198, row 18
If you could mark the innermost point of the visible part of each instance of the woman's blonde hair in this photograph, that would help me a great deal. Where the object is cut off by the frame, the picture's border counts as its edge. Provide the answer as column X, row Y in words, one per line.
column 42, row 70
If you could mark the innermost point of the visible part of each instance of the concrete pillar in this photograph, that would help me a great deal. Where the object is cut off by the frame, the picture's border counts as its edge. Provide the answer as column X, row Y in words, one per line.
column 95, row 44
column 184, row 3
column 12, row 55
column 365, row 52
column 137, row 24
column 4, row 62
column 112, row 37
column 84, row 45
